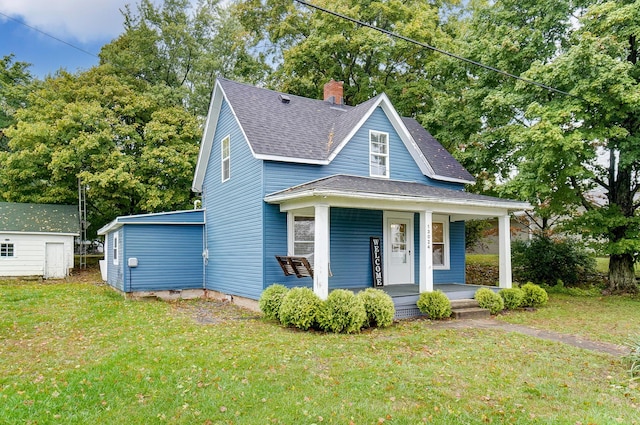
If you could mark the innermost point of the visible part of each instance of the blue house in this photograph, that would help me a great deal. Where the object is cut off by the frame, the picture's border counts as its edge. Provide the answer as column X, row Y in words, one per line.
column 291, row 177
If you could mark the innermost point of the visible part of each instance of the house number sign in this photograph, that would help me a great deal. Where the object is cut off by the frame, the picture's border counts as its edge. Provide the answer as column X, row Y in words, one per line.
column 376, row 262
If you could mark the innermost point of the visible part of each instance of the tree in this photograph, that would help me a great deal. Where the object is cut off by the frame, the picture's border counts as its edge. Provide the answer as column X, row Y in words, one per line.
column 571, row 155
column 309, row 47
column 184, row 48
column 130, row 142
column 15, row 81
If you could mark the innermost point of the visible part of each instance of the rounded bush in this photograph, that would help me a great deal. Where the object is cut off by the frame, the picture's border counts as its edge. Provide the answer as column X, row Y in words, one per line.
column 342, row 311
column 299, row 308
column 490, row 300
column 271, row 299
column 378, row 306
column 534, row 296
column 512, row 297
column 435, row 304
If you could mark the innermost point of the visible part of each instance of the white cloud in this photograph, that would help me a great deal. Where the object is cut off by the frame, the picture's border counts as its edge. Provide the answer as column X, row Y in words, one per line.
column 82, row 20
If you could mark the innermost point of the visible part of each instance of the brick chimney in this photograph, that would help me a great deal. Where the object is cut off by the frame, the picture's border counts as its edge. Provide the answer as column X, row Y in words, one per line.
column 333, row 92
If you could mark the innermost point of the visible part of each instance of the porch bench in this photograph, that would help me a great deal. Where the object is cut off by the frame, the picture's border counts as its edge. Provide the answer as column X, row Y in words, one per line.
column 295, row 265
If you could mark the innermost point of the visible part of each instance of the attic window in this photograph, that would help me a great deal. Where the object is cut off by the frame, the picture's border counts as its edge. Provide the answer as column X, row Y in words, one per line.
column 378, row 154
column 225, row 158
column 284, row 98
column 7, row 249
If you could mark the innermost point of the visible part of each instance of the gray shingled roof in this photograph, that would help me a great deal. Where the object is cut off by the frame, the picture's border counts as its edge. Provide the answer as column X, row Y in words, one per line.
column 38, row 218
column 370, row 185
column 310, row 129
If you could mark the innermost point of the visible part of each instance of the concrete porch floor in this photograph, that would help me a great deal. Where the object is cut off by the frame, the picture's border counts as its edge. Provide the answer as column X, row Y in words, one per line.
column 406, row 296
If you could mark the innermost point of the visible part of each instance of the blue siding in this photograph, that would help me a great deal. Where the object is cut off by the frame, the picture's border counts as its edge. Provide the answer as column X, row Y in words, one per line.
column 456, row 273
column 233, row 212
column 275, row 238
column 350, row 253
column 191, row 216
column 353, row 160
column 169, row 257
column 115, row 272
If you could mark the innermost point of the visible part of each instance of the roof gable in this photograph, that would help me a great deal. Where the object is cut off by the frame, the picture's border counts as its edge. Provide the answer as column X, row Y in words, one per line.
column 39, row 218
column 289, row 128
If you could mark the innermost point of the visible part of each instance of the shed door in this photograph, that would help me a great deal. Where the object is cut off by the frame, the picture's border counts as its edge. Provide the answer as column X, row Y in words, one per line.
column 54, row 261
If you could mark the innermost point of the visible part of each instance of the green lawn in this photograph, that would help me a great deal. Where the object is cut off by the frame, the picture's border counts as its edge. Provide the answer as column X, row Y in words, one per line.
column 78, row 353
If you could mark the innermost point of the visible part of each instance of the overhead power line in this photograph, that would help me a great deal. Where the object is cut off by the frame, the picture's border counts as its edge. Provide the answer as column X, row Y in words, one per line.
column 49, row 35
column 435, row 49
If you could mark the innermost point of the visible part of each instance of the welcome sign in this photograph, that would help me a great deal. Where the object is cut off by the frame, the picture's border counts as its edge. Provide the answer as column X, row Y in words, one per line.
column 376, row 262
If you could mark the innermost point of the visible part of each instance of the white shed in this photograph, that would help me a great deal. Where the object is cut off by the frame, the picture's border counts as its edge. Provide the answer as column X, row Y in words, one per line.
column 37, row 239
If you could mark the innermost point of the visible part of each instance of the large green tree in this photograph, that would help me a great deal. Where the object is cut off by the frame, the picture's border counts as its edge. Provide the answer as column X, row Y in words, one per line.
column 15, row 83
column 131, row 143
column 183, row 47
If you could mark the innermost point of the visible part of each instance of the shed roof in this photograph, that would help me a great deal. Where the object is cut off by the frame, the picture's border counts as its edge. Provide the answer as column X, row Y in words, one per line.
column 39, row 218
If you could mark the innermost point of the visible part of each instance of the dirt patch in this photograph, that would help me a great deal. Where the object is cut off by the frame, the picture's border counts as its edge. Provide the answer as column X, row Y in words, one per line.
column 212, row 312
column 573, row 340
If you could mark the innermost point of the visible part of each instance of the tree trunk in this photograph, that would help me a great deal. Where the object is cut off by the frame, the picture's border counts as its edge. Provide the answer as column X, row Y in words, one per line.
column 622, row 277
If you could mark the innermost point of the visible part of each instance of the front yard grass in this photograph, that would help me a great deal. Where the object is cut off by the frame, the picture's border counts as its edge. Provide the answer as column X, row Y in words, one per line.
column 78, row 353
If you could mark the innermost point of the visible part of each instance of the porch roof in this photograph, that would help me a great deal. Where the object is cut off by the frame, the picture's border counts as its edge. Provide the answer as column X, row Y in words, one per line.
column 345, row 189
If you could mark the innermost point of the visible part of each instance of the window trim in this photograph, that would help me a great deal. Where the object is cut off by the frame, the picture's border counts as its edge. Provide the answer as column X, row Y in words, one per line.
column 225, row 159
column 444, row 220
column 13, row 249
column 371, row 154
column 114, row 249
column 291, row 218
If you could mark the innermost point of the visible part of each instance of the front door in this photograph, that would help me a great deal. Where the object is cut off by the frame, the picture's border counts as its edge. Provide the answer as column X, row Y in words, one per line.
column 398, row 251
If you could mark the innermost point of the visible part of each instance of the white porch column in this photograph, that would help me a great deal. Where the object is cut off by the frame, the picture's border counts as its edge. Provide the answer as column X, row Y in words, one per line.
column 504, row 244
column 321, row 252
column 426, row 252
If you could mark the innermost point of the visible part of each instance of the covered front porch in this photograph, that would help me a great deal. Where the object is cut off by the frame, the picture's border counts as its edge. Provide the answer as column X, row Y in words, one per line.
column 419, row 228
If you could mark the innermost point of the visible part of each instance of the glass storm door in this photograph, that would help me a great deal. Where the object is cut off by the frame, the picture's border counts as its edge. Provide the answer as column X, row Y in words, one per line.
column 399, row 251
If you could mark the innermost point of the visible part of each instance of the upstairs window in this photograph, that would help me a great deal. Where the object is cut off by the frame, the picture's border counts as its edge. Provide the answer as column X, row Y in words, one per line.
column 225, row 155
column 7, row 249
column 378, row 154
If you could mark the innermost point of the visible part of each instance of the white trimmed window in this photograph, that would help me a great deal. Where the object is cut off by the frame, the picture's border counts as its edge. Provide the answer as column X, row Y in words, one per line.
column 440, row 243
column 225, row 158
column 378, row 154
column 7, row 249
column 302, row 235
column 115, row 248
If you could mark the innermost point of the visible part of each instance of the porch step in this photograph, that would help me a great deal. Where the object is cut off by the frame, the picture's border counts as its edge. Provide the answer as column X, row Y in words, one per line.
column 468, row 309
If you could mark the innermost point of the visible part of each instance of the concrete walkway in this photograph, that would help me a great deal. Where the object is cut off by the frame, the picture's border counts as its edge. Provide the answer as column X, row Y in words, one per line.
column 574, row 340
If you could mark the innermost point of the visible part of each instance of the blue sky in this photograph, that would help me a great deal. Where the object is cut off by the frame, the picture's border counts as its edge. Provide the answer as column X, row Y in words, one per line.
column 86, row 24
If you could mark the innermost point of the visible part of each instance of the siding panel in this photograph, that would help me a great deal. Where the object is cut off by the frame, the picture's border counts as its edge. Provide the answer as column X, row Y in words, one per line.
column 233, row 212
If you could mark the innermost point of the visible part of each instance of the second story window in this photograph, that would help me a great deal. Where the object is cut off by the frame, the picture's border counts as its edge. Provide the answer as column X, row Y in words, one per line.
column 225, row 155
column 378, row 154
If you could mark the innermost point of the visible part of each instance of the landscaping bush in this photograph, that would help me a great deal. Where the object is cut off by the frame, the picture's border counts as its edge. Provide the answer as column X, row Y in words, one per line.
column 512, row 297
column 342, row 311
column 633, row 358
column 490, row 300
column 378, row 306
column 534, row 296
column 546, row 260
column 299, row 308
column 271, row 299
column 435, row 304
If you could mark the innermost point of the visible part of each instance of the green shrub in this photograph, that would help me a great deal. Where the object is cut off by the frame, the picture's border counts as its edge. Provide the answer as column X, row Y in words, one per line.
column 490, row 300
column 633, row 358
column 299, row 308
column 534, row 296
column 271, row 299
column 546, row 260
column 379, row 307
column 342, row 311
column 512, row 297
column 435, row 304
